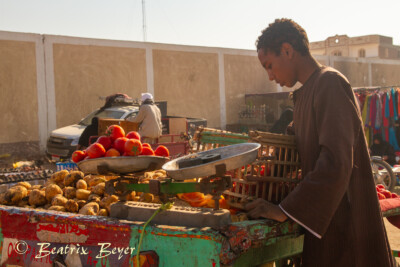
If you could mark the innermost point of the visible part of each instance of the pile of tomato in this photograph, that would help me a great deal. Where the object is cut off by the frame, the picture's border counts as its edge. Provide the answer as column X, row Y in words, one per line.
column 115, row 143
column 383, row 193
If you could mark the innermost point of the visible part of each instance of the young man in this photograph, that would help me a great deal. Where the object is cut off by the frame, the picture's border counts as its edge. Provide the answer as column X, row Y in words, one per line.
column 336, row 202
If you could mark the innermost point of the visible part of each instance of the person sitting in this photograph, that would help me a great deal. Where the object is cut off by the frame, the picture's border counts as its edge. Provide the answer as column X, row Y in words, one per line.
column 90, row 130
column 149, row 117
column 383, row 149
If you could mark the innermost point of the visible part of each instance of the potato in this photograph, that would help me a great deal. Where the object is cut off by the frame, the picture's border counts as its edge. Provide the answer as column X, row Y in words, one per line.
column 147, row 197
column 131, row 196
column 102, row 212
column 49, row 182
column 37, row 198
column 91, row 208
column 81, row 202
column 94, row 198
column 59, row 176
column 36, row 186
column 15, row 194
column 82, row 194
column 25, row 184
column 71, row 206
column 51, row 191
column 73, row 177
column 99, row 189
column 57, row 208
column 23, row 203
column 59, row 200
column 107, row 201
column 3, row 200
column 81, row 184
column 70, row 192
column 97, row 180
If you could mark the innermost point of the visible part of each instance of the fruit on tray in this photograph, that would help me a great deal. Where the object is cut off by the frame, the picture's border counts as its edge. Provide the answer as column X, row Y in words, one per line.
column 133, row 147
column 95, row 150
column 383, row 193
column 161, row 151
column 116, row 144
column 115, row 131
column 133, row 135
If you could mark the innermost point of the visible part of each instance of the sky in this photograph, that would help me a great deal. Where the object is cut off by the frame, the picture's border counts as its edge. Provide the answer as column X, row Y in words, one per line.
column 213, row 23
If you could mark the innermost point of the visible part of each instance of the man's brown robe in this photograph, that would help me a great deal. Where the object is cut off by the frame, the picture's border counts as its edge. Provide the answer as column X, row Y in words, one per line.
column 336, row 199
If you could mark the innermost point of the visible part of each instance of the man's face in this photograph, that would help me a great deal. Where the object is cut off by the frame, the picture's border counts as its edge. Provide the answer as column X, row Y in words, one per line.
column 279, row 68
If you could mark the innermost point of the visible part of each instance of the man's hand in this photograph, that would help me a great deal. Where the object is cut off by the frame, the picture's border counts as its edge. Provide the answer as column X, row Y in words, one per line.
column 262, row 208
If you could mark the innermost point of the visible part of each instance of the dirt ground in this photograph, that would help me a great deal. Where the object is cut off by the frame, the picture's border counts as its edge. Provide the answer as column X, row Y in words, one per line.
column 394, row 237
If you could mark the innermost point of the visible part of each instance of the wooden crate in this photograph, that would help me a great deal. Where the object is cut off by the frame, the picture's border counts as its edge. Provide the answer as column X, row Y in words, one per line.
column 126, row 125
column 209, row 138
column 272, row 176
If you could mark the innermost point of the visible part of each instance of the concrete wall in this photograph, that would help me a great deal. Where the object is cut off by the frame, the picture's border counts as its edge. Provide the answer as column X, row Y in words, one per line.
column 85, row 73
column 49, row 81
column 189, row 83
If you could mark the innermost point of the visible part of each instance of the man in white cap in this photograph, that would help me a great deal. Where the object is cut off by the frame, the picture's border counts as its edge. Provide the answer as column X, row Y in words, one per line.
column 149, row 117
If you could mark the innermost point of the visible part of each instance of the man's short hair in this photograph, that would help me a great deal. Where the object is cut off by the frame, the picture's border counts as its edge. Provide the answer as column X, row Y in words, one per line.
column 283, row 31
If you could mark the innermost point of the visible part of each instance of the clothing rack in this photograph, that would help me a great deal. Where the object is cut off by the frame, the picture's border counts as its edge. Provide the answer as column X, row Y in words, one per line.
column 374, row 88
column 380, row 111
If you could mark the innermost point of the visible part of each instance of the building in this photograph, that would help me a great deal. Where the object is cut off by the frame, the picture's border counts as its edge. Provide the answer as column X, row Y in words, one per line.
column 368, row 46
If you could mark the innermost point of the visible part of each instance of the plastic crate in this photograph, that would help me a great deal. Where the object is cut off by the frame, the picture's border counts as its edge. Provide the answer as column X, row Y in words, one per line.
column 272, row 176
column 70, row 166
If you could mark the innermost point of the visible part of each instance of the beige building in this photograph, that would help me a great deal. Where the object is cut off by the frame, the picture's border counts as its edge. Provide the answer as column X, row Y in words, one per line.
column 368, row 46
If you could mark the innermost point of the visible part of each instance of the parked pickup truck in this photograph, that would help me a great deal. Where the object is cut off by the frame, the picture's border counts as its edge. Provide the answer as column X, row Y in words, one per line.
column 63, row 141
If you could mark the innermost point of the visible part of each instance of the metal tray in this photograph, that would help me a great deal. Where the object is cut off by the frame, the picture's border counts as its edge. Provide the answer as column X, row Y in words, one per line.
column 233, row 156
column 121, row 165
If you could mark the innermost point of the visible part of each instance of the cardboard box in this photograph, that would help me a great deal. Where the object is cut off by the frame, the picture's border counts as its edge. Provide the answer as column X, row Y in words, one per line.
column 126, row 125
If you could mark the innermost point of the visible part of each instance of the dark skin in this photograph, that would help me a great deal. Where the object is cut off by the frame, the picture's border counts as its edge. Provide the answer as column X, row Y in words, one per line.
column 286, row 69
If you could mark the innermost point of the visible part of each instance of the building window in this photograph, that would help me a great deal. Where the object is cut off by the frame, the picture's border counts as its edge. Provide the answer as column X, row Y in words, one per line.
column 337, row 53
column 386, row 52
column 361, row 52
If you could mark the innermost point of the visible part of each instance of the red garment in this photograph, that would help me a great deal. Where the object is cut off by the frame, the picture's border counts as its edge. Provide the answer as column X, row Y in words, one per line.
column 385, row 120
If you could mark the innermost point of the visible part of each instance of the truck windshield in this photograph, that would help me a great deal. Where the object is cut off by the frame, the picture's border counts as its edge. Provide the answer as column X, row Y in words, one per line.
column 109, row 114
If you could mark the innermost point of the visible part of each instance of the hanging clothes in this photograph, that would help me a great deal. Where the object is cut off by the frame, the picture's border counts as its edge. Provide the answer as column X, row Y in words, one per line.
column 395, row 115
column 378, row 118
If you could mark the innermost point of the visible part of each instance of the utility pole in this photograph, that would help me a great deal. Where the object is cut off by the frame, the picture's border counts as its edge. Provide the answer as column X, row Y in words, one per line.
column 144, row 20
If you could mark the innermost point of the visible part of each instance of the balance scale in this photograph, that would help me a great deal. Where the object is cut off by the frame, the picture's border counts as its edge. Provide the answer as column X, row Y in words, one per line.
column 211, row 166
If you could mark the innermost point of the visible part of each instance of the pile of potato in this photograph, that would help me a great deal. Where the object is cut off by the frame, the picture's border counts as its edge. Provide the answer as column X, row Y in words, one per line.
column 72, row 191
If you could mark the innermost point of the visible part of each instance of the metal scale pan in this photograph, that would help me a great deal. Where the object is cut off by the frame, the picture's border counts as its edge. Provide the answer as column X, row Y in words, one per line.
column 204, row 163
column 121, row 165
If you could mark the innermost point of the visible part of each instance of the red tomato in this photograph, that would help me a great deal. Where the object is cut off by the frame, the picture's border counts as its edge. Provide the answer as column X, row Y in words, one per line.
column 115, row 131
column 146, row 151
column 394, row 195
column 112, row 152
column 133, row 135
column 105, row 141
column 78, row 155
column 133, row 147
column 119, row 144
column 146, row 145
column 161, row 151
column 386, row 193
column 381, row 196
column 95, row 150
